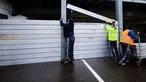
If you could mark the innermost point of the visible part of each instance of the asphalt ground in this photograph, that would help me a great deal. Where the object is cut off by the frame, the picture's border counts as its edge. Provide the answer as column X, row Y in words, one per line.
column 81, row 70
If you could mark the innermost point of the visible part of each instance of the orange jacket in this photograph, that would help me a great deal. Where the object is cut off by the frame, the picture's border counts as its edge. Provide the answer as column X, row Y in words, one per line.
column 125, row 38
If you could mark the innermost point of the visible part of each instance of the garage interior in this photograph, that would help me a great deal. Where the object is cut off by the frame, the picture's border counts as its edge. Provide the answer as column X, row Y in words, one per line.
column 133, row 14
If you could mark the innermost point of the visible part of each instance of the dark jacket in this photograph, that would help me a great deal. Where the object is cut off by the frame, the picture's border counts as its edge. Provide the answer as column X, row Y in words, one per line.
column 68, row 28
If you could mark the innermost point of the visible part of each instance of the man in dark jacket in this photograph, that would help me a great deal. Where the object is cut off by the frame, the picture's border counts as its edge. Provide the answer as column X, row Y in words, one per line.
column 69, row 38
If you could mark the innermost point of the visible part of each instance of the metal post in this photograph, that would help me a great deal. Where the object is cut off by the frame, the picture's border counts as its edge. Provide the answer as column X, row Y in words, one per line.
column 63, row 15
column 119, row 17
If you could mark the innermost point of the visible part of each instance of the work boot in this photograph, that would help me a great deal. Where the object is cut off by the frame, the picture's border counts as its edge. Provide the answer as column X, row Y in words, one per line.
column 122, row 63
column 66, row 62
column 70, row 61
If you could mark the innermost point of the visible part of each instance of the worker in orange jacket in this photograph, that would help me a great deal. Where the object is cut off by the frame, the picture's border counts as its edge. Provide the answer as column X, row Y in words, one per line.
column 126, row 40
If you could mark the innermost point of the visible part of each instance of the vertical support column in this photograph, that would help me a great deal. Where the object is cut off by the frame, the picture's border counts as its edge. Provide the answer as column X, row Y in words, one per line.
column 63, row 15
column 119, row 14
column 0, row 49
column 119, row 17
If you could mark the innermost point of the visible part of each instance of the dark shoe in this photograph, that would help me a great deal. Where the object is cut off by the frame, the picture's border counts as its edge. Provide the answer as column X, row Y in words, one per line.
column 70, row 61
column 66, row 62
column 123, row 64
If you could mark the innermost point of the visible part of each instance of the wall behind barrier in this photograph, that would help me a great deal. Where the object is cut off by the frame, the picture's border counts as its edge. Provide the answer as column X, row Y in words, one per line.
column 32, row 41
column 5, row 7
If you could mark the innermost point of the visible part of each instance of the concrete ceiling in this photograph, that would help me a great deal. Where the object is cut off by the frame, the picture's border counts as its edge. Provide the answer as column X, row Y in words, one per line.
column 50, row 9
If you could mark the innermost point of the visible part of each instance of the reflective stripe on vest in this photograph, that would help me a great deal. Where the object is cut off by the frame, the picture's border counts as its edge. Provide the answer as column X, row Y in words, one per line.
column 112, row 33
column 126, row 39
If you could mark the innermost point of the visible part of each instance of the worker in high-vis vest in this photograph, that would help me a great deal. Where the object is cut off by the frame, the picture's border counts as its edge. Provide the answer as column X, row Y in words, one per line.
column 112, row 32
column 126, row 41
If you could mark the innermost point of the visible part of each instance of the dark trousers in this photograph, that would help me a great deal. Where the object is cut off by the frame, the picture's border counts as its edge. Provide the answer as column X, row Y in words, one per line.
column 125, row 51
column 114, row 49
column 69, row 49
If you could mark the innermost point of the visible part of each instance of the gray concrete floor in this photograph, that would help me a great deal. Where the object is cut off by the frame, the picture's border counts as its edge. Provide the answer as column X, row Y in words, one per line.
column 76, row 72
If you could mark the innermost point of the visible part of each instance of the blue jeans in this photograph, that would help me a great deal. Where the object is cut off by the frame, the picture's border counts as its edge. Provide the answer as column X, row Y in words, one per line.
column 69, row 50
column 125, row 50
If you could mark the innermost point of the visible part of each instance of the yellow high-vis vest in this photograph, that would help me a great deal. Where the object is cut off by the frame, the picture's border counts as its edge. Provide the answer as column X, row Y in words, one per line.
column 112, row 33
column 126, row 39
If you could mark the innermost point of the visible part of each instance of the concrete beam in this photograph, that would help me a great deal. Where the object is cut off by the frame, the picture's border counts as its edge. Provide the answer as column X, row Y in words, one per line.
column 89, row 13
column 134, row 1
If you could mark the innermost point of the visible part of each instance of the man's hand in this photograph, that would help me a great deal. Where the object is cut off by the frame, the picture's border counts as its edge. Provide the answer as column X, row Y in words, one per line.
column 138, row 33
column 61, row 19
column 71, row 11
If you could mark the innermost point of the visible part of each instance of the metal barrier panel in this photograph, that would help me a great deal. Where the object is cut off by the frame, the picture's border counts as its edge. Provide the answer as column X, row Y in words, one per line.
column 32, row 41
column 29, row 41
column 142, row 49
column 91, row 40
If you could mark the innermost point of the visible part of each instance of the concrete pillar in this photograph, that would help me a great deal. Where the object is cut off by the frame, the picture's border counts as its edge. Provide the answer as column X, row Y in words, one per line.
column 119, row 13
column 119, row 16
column 63, row 15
